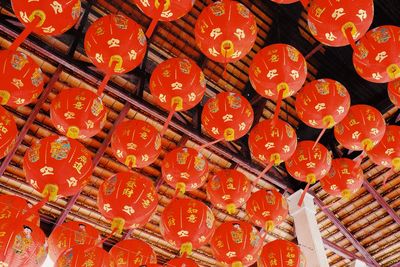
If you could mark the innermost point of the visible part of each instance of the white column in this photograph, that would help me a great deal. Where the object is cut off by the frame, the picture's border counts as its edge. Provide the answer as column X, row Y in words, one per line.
column 307, row 231
column 358, row 263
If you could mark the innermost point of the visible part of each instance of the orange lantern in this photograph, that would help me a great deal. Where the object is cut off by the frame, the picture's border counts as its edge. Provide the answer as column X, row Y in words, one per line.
column 14, row 207
column 78, row 113
column 225, row 31
column 184, row 169
column 228, row 189
column 57, row 165
column 187, row 224
column 136, row 143
column 236, row 244
column 133, row 253
column 344, row 178
column 70, row 234
column 126, row 198
column 267, row 209
column 8, row 132
column 182, row 262
column 394, row 92
column 84, row 255
column 377, row 57
column 21, row 79
column 281, row 253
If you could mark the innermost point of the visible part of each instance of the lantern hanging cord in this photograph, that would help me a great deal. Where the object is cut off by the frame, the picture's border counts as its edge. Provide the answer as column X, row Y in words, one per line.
column 103, row 84
column 319, row 138
column 34, row 209
column 24, row 34
column 261, row 174
column 157, row 17
column 303, row 195
column 169, row 119
column 278, row 104
column 350, row 38
column 210, row 144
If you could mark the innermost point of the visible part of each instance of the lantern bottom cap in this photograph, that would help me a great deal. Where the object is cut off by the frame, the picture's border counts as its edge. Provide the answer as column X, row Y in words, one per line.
column 269, row 226
column 396, row 164
column 50, row 190
column 231, row 208
column 118, row 225
column 181, row 188
column 237, row 264
column 346, row 194
column 186, row 248
column 311, row 178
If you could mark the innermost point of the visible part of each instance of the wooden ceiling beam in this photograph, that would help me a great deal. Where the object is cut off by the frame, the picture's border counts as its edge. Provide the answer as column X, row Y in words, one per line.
column 344, row 253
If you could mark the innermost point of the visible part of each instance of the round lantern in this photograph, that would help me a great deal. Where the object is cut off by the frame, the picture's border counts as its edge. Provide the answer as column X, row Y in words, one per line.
column 14, row 207
column 377, row 57
column 50, row 17
column 70, row 234
column 184, row 169
column 78, row 113
column 344, row 178
column 225, row 31
column 267, row 209
column 21, row 79
column 57, row 165
column 236, row 243
column 187, row 224
column 394, row 92
column 281, row 253
column 361, row 129
column 228, row 189
column 133, row 253
column 339, row 23
column 136, row 143
column 126, row 198
column 8, row 132
column 227, row 116
column 85, row 255
column 182, row 262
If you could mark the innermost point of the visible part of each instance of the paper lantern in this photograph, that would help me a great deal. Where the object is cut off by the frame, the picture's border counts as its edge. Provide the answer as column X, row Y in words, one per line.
column 53, row 17
column 70, row 234
column 394, row 92
column 57, row 165
column 343, row 179
column 21, row 79
column 8, row 132
column 228, row 189
column 361, row 129
column 281, row 253
column 78, row 113
column 136, row 143
column 133, row 253
column 227, row 116
column 182, row 262
column 125, row 198
column 236, row 244
column 322, row 103
column 184, row 169
column 267, row 209
column 115, row 44
column 84, row 255
column 377, row 57
column 14, row 207
column 330, row 22
column 225, row 31
column 187, row 224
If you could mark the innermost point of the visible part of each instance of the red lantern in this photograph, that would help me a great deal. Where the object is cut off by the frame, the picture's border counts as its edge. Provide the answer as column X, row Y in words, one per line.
column 228, row 189
column 136, row 143
column 171, row 10
column 344, row 178
column 361, row 129
column 78, row 113
column 227, row 116
column 377, row 57
column 187, row 224
column 322, row 103
column 84, row 255
column 115, row 44
column 225, row 31
column 133, row 253
column 126, row 198
column 70, row 234
column 57, row 165
column 267, row 208
column 236, row 243
column 14, row 207
column 21, row 79
column 184, row 169
column 281, row 253
column 394, row 92
column 182, row 262
column 8, row 132
column 51, row 17
column 333, row 22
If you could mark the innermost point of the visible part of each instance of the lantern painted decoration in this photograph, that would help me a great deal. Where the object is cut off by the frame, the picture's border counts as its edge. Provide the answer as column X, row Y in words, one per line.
column 21, row 79
column 343, row 179
column 394, row 92
column 14, row 207
column 361, row 129
column 85, row 255
column 225, row 31
column 236, row 244
column 57, row 166
column 228, row 189
column 70, row 234
column 184, row 169
column 339, row 23
column 78, row 113
column 267, row 209
column 322, row 103
column 136, row 143
column 187, row 224
column 281, row 253
column 377, row 57
column 182, row 262
column 227, row 116
column 8, row 132
column 133, row 253
column 126, row 198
